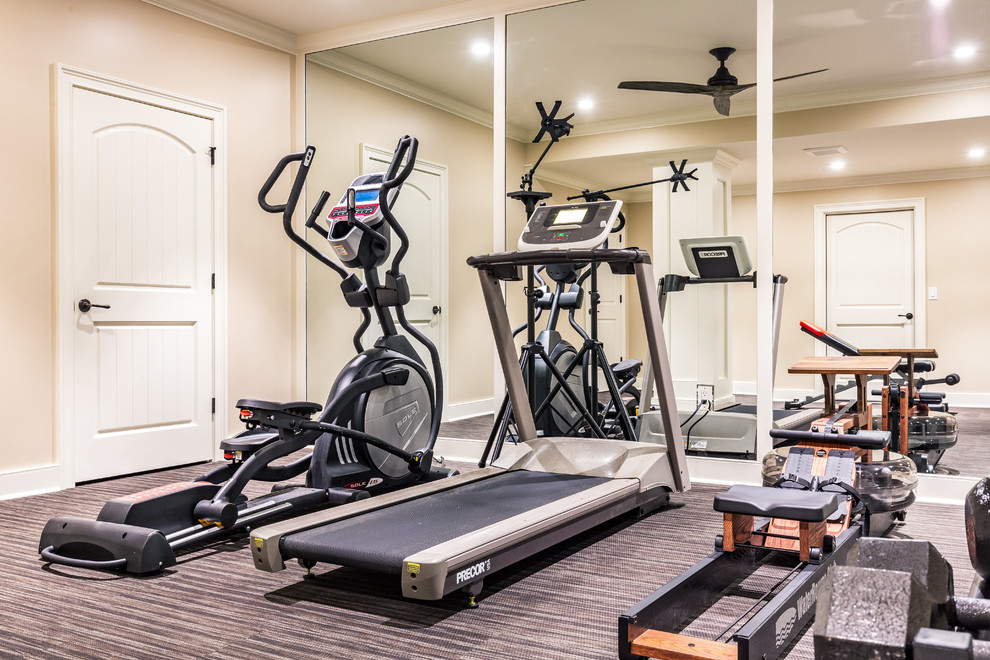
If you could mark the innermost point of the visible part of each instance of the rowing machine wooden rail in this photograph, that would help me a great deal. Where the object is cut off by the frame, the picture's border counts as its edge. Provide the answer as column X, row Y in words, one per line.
column 810, row 528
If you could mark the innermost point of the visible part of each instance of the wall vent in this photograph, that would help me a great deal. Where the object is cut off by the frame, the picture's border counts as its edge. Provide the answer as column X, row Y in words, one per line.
column 825, row 151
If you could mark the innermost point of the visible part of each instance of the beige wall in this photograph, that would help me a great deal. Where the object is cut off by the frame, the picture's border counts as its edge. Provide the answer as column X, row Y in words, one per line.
column 957, row 236
column 136, row 42
column 379, row 117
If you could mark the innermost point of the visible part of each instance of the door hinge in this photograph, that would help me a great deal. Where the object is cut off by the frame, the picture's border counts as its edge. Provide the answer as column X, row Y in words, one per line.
column 620, row 298
column 213, row 155
column 213, row 281
column 213, row 406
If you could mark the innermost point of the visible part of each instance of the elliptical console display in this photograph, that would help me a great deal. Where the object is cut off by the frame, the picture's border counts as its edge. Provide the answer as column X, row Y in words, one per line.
column 572, row 226
column 358, row 211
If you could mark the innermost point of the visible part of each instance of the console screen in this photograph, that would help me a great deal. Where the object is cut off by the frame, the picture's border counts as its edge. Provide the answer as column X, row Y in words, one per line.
column 362, row 196
column 569, row 217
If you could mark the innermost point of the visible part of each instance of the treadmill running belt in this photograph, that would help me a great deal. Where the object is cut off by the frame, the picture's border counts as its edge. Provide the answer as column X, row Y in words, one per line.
column 380, row 540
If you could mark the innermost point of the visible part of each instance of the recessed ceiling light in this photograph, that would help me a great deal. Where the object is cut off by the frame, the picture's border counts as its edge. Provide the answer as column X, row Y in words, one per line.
column 977, row 152
column 939, row 4
column 586, row 104
column 480, row 49
column 964, row 51
column 837, row 164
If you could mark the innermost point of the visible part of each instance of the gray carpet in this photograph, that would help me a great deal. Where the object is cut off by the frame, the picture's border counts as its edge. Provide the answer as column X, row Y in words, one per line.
column 560, row 604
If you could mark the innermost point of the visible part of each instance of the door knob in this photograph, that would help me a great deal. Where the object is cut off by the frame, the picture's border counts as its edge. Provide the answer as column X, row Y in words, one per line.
column 436, row 309
column 85, row 305
column 908, row 316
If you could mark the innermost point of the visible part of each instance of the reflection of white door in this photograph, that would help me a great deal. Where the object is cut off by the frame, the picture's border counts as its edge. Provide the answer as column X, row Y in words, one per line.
column 141, row 217
column 870, row 278
column 421, row 209
column 611, row 308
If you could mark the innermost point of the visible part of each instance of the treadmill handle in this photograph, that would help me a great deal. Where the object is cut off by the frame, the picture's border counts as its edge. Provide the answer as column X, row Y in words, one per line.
column 49, row 555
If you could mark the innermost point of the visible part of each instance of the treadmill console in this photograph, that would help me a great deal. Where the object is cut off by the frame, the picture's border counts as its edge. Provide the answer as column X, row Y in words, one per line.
column 585, row 225
column 716, row 256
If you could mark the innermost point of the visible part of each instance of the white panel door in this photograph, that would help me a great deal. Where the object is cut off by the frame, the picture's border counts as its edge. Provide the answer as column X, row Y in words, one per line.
column 421, row 209
column 141, row 208
column 611, row 308
column 870, row 279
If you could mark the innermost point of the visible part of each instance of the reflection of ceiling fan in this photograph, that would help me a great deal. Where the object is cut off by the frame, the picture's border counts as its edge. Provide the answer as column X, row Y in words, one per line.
column 720, row 87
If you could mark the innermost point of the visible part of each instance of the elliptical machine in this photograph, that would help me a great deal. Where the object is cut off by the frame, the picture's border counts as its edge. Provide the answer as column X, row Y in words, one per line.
column 375, row 434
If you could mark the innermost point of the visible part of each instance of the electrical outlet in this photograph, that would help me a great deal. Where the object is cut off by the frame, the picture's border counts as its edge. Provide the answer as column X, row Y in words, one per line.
column 705, row 393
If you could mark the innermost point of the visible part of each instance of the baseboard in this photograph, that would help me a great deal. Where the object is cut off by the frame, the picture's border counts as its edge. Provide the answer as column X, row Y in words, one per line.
column 459, row 449
column 29, row 481
column 779, row 394
column 456, row 411
column 965, row 399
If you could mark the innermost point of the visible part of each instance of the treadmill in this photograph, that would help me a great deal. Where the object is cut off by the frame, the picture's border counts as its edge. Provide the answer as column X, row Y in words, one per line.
column 729, row 431
column 449, row 535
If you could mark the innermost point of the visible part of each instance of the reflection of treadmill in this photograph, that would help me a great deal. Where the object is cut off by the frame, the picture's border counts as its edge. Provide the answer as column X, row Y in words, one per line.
column 448, row 535
column 730, row 431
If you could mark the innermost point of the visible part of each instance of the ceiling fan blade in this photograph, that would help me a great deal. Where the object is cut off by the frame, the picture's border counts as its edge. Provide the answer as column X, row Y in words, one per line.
column 653, row 86
column 722, row 104
column 798, row 75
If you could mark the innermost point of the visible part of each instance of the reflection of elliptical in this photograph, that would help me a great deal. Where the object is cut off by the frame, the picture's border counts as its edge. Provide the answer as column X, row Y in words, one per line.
column 406, row 415
column 376, row 433
column 557, row 416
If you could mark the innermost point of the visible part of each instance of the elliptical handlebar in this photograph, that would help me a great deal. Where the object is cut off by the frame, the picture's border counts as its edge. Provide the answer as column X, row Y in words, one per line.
column 394, row 177
column 305, row 160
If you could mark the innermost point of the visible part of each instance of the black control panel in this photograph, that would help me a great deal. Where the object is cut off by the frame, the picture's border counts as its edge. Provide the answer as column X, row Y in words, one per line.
column 585, row 225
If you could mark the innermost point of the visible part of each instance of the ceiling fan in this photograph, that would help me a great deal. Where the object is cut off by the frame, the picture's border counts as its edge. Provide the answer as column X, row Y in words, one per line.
column 720, row 87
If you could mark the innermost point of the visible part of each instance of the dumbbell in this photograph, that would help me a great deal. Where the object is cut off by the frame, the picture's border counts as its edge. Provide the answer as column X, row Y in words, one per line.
column 895, row 600
column 978, row 534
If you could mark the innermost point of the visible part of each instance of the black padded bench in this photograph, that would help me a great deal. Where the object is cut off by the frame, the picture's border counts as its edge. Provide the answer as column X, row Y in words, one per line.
column 809, row 511
column 788, row 503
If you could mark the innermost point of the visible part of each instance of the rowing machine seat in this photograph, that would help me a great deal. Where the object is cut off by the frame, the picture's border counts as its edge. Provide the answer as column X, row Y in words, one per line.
column 786, row 503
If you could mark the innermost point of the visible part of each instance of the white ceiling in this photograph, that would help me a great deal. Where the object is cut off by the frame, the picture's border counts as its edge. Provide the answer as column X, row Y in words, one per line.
column 874, row 49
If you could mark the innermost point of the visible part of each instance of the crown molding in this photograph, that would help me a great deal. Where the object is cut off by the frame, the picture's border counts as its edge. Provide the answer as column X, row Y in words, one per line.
column 882, row 93
column 371, row 74
column 893, row 178
column 408, row 23
column 231, row 21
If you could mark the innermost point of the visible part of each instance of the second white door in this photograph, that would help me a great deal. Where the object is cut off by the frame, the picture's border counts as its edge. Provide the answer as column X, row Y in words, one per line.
column 870, row 278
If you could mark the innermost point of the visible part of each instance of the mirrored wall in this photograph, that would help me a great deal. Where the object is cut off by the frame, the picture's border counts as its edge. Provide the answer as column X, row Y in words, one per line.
column 436, row 86
column 880, row 182
column 626, row 136
column 902, row 102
